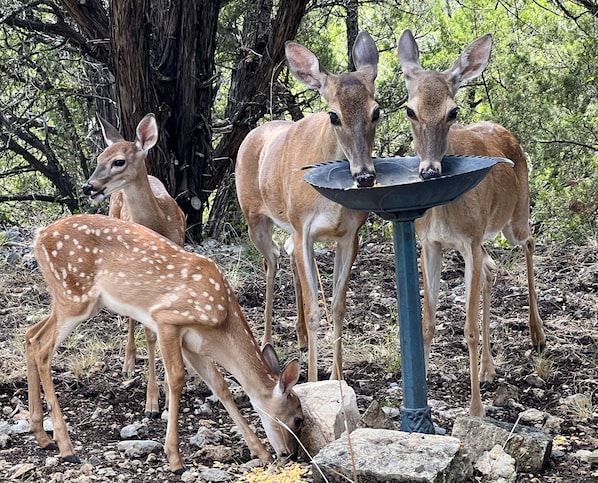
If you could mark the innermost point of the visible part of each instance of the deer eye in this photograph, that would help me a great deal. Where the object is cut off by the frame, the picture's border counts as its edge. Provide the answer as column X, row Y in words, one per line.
column 453, row 113
column 410, row 113
column 334, row 119
column 298, row 422
column 376, row 114
column 118, row 162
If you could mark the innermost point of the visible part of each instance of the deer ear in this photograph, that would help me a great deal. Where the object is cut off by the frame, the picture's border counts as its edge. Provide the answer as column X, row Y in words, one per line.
column 471, row 63
column 305, row 65
column 110, row 133
column 365, row 53
column 147, row 132
column 408, row 52
column 269, row 355
column 289, row 376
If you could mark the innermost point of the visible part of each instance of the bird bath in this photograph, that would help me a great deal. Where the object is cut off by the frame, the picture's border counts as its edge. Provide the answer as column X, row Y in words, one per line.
column 401, row 196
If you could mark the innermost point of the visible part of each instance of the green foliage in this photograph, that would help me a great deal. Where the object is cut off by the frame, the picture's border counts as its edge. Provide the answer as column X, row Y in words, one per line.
column 45, row 101
column 541, row 84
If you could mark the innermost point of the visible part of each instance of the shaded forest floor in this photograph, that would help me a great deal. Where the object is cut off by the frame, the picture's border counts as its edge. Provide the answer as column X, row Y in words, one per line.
column 98, row 401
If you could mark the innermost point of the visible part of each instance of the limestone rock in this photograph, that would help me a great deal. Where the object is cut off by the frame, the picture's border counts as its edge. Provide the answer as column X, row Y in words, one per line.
column 325, row 412
column 530, row 447
column 382, row 455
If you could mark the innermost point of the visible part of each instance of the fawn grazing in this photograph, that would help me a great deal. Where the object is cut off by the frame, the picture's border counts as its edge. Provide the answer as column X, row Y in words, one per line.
column 271, row 189
column 499, row 203
column 94, row 261
column 136, row 196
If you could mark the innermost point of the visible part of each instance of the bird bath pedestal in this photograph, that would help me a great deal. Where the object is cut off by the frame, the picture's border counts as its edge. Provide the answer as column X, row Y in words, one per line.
column 401, row 196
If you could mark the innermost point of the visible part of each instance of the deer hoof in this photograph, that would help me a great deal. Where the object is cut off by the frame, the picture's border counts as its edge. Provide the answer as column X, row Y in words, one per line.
column 72, row 458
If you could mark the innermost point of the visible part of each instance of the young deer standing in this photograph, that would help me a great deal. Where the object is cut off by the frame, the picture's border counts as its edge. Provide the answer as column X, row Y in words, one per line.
column 136, row 196
column 271, row 189
column 94, row 261
column 499, row 203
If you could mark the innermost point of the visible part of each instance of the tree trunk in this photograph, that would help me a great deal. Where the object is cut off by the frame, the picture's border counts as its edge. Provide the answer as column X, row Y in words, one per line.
column 352, row 23
column 257, row 66
column 185, row 39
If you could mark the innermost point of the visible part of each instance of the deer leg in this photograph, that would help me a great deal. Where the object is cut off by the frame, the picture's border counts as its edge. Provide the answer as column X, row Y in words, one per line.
column 152, row 405
column 487, row 367
column 301, row 327
column 535, row 322
column 130, row 350
column 431, row 263
column 346, row 252
column 41, row 341
column 213, row 378
column 473, row 267
column 260, row 233
column 518, row 233
column 308, row 282
column 33, row 350
column 169, row 337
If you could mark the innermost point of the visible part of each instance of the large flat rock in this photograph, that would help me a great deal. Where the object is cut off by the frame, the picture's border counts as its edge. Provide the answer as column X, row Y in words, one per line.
column 382, row 455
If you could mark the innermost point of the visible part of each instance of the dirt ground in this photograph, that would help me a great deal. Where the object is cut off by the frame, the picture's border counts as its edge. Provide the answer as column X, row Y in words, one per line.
column 98, row 400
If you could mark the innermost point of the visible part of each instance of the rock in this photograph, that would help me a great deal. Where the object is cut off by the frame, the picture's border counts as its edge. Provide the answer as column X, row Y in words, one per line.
column 552, row 425
column 20, row 427
column 222, row 454
column 203, row 436
column 587, row 455
column 4, row 440
column 505, row 394
column 138, row 448
column 534, row 380
column 134, row 431
column 52, row 461
column 382, row 455
column 325, row 412
column 530, row 447
column 215, row 475
column 376, row 418
column 497, row 465
column 533, row 416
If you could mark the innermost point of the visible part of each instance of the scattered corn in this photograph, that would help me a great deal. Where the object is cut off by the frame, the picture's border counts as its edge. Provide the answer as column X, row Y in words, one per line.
column 290, row 473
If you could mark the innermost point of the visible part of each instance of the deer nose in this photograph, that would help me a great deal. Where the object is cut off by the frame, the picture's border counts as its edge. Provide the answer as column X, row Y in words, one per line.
column 87, row 189
column 287, row 455
column 429, row 173
column 365, row 180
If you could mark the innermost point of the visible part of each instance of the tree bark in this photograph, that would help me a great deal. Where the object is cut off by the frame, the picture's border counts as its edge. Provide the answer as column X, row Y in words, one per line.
column 352, row 23
column 258, row 64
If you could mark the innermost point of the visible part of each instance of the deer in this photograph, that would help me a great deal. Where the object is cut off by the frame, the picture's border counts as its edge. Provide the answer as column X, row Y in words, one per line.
column 121, row 173
column 271, row 190
column 499, row 203
column 93, row 261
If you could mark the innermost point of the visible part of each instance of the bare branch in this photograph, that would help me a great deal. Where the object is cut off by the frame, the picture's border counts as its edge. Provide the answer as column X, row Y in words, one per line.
column 564, row 141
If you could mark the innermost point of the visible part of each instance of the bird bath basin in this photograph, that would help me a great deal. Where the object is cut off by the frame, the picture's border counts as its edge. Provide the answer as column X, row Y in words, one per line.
column 402, row 196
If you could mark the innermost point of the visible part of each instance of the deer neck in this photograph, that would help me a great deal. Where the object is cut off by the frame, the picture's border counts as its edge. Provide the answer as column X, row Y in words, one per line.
column 248, row 365
column 140, row 204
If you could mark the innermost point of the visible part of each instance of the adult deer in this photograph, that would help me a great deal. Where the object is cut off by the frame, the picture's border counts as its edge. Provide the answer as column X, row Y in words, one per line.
column 271, row 189
column 139, row 197
column 94, row 261
column 499, row 203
